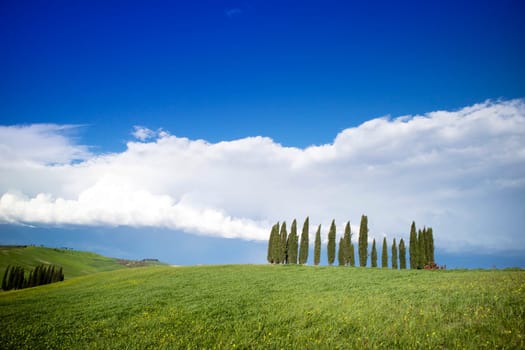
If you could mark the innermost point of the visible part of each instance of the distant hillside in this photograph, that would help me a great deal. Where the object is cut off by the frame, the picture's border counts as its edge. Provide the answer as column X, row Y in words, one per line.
column 75, row 263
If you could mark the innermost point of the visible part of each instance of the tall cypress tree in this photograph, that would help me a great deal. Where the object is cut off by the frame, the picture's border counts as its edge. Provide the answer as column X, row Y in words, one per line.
column 384, row 255
column 317, row 246
column 374, row 253
column 341, row 252
column 421, row 248
column 430, row 244
column 273, row 242
column 347, row 243
column 351, row 259
column 282, row 249
column 402, row 255
column 5, row 278
column 303, row 252
column 292, row 244
column 363, row 241
column 14, row 277
column 38, row 275
column 276, row 245
column 61, row 274
column 331, row 244
column 11, row 278
column 295, row 248
column 413, row 247
column 20, row 278
column 394, row 255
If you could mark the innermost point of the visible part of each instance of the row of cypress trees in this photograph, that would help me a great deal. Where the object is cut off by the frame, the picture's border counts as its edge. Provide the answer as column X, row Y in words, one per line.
column 15, row 278
column 282, row 248
column 421, row 247
column 398, row 254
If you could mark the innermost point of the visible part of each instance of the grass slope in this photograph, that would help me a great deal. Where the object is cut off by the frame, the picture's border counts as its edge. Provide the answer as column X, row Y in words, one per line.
column 74, row 263
column 269, row 307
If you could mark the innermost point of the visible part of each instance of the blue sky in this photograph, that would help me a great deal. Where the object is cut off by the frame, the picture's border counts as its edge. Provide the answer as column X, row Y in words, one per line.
column 299, row 73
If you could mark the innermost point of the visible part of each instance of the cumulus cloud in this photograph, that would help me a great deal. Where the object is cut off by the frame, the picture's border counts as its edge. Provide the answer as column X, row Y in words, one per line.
column 461, row 172
column 109, row 203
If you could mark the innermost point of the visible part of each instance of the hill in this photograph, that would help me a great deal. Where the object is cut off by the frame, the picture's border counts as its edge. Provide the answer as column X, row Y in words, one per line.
column 75, row 263
column 269, row 307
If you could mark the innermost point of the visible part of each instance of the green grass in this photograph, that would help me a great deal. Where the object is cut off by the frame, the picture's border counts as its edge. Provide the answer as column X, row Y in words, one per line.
column 269, row 307
column 75, row 263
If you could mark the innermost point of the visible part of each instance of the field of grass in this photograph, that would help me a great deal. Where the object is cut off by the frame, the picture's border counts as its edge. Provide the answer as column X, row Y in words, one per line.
column 75, row 263
column 269, row 307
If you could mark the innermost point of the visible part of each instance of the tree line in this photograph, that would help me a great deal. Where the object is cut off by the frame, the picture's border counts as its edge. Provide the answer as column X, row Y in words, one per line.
column 284, row 248
column 15, row 277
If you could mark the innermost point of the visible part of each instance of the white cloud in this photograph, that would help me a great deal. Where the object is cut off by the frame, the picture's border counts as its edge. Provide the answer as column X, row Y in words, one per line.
column 108, row 203
column 40, row 143
column 143, row 133
column 461, row 172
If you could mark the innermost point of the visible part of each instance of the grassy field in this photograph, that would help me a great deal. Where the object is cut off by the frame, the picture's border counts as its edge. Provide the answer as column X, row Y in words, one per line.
column 75, row 263
column 269, row 307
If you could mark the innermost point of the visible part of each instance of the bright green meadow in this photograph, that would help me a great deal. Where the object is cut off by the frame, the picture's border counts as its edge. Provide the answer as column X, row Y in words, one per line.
column 269, row 307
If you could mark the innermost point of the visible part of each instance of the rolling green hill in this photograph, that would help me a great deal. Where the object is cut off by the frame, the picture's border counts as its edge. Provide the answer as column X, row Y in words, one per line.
column 75, row 263
column 269, row 307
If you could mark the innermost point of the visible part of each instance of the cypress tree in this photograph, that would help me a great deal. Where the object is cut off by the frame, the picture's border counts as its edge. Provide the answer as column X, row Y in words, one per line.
column 50, row 273
column 347, row 243
column 9, row 278
column 54, row 277
column 292, row 244
column 317, row 246
column 430, row 243
column 374, row 253
column 23, row 280
column 276, row 245
column 363, row 241
column 23, row 284
column 331, row 244
column 394, row 255
column 352, row 255
column 45, row 273
column 42, row 275
column 273, row 242
column 12, row 280
column 282, row 249
column 341, row 252
column 31, row 281
column 20, row 281
column 303, row 252
column 402, row 255
column 20, row 278
column 413, row 247
column 421, row 248
column 5, row 278
column 38, row 275
column 51, row 277
column 384, row 255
